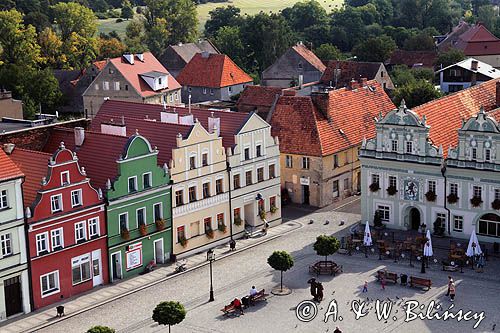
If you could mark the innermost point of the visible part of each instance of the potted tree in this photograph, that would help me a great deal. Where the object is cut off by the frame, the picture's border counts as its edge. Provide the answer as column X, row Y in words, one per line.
column 143, row 229
column 169, row 313
column 125, row 234
column 495, row 204
column 476, row 201
column 326, row 246
column 160, row 224
column 430, row 196
column 452, row 198
column 391, row 190
column 280, row 261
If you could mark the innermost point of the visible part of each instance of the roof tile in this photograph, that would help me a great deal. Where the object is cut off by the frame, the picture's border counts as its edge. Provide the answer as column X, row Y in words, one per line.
column 8, row 169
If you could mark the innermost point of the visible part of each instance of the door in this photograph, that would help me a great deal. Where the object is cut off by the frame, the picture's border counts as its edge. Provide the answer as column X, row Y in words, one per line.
column 358, row 184
column 415, row 218
column 96, row 268
column 305, row 194
column 116, row 259
column 249, row 215
column 12, row 288
column 158, row 245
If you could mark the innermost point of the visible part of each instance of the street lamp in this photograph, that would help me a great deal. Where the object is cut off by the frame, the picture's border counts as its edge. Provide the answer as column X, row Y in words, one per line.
column 422, row 269
column 210, row 259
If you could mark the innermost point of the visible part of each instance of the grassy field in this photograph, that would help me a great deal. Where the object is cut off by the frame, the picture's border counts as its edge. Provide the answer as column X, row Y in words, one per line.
column 247, row 7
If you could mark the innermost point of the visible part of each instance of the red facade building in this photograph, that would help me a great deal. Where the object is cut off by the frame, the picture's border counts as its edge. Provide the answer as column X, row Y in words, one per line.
column 66, row 226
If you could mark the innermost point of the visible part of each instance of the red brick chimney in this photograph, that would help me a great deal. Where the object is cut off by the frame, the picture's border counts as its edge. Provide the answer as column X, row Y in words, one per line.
column 497, row 94
column 321, row 101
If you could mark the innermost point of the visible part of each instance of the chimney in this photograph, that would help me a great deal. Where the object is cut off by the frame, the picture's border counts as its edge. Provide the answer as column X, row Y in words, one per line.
column 129, row 57
column 186, row 120
column 362, row 81
column 301, row 81
column 205, row 54
column 169, row 117
column 113, row 128
column 8, row 148
column 140, row 56
column 473, row 65
column 321, row 100
column 79, row 136
column 214, row 124
column 497, row 94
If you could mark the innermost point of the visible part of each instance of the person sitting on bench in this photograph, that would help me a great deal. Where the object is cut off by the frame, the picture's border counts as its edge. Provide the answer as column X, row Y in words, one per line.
column 237, row 305
column 253, row 291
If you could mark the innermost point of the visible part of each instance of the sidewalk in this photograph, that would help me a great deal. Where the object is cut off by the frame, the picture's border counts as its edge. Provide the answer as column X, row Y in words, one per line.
column 105, row 294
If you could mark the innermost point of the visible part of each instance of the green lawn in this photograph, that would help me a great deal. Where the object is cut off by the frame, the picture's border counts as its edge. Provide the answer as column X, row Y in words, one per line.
column 109, row 25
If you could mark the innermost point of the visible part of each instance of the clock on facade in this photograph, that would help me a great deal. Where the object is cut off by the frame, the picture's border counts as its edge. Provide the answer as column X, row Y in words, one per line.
column 411, row 190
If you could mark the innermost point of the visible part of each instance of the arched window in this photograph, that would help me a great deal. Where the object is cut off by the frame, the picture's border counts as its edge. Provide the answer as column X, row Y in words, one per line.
column 489, row 225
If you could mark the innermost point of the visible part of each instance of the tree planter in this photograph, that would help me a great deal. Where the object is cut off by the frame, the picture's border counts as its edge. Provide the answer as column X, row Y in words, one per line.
column 143, row 230
column 125, row 234
column 160, row 224
column 452, row 198
column 495, row 204
column 391, row 190
column 431, row 196
column 476, row 201
column 209, row 233
column 374, row 187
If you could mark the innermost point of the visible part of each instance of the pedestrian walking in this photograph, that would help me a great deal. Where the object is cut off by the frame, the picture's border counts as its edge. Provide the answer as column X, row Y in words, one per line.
column 480, row 263
column 382, row 280
column 450, row 280
column 319, row 291
column 365, row 287
column 452, row 291
column 314, row 289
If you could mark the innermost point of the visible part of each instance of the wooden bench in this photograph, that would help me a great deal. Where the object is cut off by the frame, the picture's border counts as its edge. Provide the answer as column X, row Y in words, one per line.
column 389, row 276
column 417, row 281
column 325, row 267
column 228, row 309
column 260, row 296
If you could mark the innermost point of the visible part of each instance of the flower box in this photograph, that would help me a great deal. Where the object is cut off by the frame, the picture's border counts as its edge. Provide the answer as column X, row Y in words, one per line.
column 237, row 220
column 143, row 230
column 273, row 209
column 374, row 187
column 495, row 204
column 222, row 228
column 452, row 198
column 209, row 233
column 125, row 234
column 160, row 224
column 476, row 201
column 183, row 241
column 431, row 196
column 391, row 190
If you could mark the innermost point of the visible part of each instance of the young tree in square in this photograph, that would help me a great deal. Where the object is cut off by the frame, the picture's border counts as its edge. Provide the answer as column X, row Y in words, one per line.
column 169, row 313
column 326, row 246
column 280, row 261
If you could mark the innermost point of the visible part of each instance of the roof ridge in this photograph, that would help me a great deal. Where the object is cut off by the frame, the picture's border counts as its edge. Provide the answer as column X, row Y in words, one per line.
column 33, row 151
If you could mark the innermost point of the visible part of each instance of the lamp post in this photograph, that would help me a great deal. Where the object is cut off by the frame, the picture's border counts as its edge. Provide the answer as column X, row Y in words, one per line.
column 422, row 268
column 210, row 259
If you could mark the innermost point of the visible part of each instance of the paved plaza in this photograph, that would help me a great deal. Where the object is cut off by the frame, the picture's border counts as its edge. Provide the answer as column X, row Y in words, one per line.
column 235, row 274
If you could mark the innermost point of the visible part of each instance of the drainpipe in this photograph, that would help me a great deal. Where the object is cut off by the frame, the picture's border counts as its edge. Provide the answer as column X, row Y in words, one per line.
column 28, row 254
column 443, row 173
column 228, row 169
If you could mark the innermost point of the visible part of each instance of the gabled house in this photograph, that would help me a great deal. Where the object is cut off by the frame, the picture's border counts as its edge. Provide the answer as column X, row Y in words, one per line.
column 339, row 73
column 15, row 291
column 176, row 57
column 132, row 77
column 449, row 40
column 465, row 74
column 259, row 99
column 297, row 66
column 212, row 77
column 66, row 225
column 319, row 137
column 412, row 59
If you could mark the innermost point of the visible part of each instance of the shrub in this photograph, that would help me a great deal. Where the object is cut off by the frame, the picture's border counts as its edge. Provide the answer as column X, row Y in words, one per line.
column 438, row 229
column 495, row 204
column 125, row 233
column 222, row 227
column 273, row 209
column 183, row 241
column 377, row 219
column 209, row 233
column 237, row 220
column 119, row 20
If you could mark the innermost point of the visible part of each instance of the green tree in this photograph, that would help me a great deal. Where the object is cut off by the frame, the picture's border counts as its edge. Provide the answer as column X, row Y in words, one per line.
column 328, row 52
column 43, row 89
column 420, row 42
column 180, row 17
column 135, row 36
column 401, row 75
column 37, row 19
column 375, row 49
column 416, row 93
column 100, row 329
column 280, row 261
column 228, row 41
column 303, row 15
column 127, row 10
column 51, row 49
column 110, row 48
column 169, row 313
column 488, row 16
column 157, row 37
column 72, row 17
column 326, row 246
column 449, row 57
column 222, row 17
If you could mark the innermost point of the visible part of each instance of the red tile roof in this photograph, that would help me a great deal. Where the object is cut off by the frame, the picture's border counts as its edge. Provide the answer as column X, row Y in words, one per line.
column 309, row 56
column 478, row 41
column 327, row 123
column 411, row 58
column 349, row 70
column 258, row 96
column 132, row 73
column 212, row 71
column 231, row 122
column 35, row 166
column 100, row 64
column 444, row 115
column 8, row 169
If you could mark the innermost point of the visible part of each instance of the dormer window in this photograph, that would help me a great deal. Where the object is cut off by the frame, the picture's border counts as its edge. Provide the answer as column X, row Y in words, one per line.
column 159, row 80
column 409, row 147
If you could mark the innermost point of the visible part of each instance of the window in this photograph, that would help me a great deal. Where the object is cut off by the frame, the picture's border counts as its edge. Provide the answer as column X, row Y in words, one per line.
column 272, row 173
column 458, row 223
column 220, row 219
column 192, row 194
column 57, row 240
column 176, row 96
column 236, row 181
column 454, row 189
column 204, row 159
column 94, row 227
column 381, row 73
column 497, row 194
column 3, row 199
column 96, row 86
column 393, row 181
column 192, row 162
column 487, row 155
column 477, row 190
column 237, row 214
column 272, row 202
column 117, row 85
column 299, row 65
column 179, row 198
column 455, row 72
column 346, row 183
column 80, row 232
column 204, row 91
column 248, row 177
column 409, row 147
column 207, row 223
column 56, row 203
column 262, row 205
column 489, row 225
column 189, row 89
column 141, row 216
column 260, row 174
column 80, row 267
column 247, row 153
column 105, row 85
column 158, row 211
column 474, row 153
column 110, row 71
column 455, row 87
column 219, row 188
column 288, row 161
column 132, row 184
column 42, row 243
column 206, row 190
column 181, row 233
column 335, row 188
column 64, row 178
column 346, row 158
column 384, row 212
column 159, row 80
column 441, row 217
column 50, row 283
column 6, row 245
column 258, row 150
column 431, row 185
column 230, row 89
column 76, row 198
column 394, row 145
column 211, row 91
column 146, row 180
column 123, row 220
column 375, row 179
column 126, row 87
column 305, row 162
column 335, row 161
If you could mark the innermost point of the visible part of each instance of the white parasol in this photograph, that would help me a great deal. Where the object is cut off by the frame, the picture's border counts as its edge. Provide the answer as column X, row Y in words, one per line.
column 473, row 248
column 428, row 245
column 367, row 240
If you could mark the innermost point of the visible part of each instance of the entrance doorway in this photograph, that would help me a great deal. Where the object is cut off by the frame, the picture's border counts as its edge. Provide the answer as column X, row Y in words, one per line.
column 305, row 194
column 116, row 264
column 13, row 303
column 96, row 268
column 249, row 215
column 414, row 218
column 158, row 245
